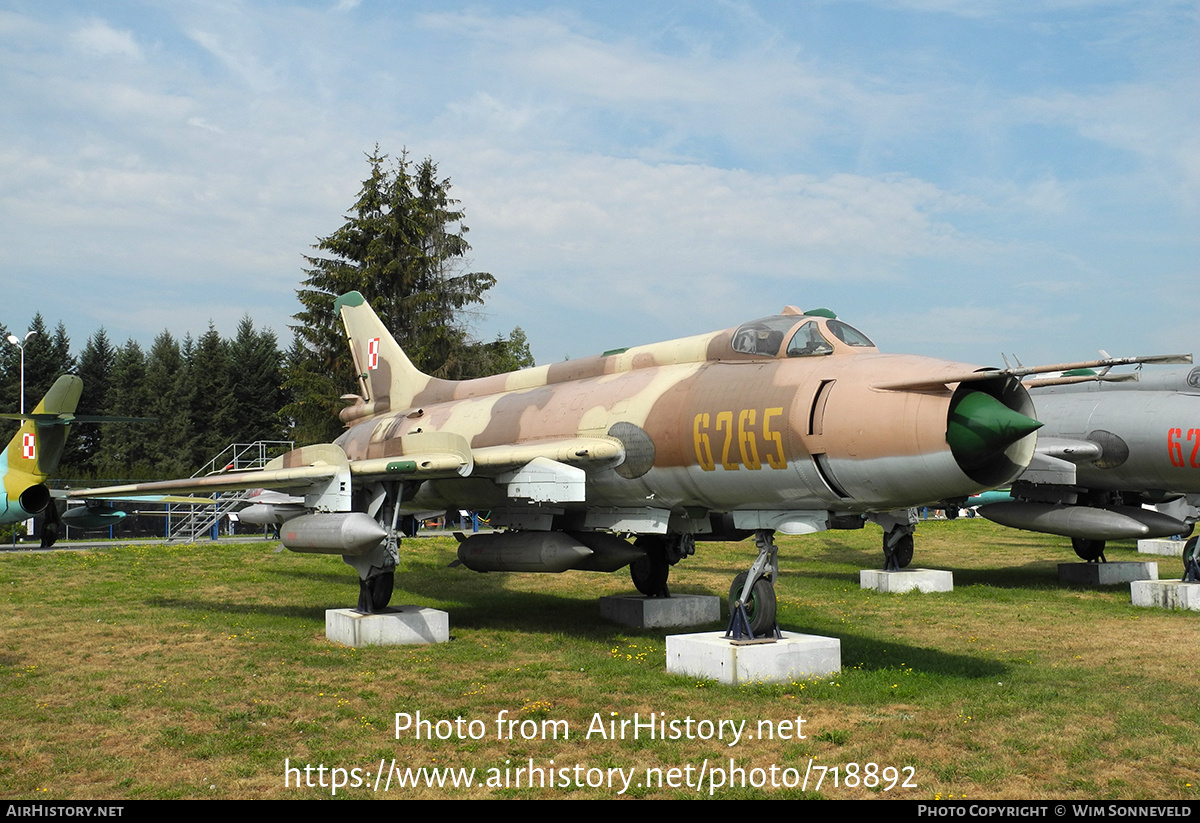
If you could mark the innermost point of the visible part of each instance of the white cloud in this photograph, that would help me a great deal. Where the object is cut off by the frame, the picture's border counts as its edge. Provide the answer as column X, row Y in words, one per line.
column 674, row 177
column 1155, row 124
column 99, row 39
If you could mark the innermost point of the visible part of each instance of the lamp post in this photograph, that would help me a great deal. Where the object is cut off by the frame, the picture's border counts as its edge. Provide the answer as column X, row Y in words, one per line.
column 20, row 344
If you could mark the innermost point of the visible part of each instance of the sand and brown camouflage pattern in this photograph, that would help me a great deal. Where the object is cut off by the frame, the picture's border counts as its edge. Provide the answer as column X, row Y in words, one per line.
column 780, row 422
column 783, row 413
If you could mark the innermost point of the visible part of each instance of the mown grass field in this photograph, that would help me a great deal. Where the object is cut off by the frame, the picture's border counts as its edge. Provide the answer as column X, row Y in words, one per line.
column 196, row 671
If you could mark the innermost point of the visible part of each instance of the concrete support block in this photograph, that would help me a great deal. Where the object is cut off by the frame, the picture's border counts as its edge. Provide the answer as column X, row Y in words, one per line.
column 710, row 656
column 1165, row 594
column 1107, row 574
column 905, row 580
column 642, row 612
column 1165, row 548
column 395, row 626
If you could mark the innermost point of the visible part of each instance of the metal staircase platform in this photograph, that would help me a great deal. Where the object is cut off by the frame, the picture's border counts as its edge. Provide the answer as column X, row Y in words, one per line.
column 192, row 522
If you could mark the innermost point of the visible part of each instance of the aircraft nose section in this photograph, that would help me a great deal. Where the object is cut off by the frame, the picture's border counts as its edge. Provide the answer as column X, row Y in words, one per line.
column 979, row 427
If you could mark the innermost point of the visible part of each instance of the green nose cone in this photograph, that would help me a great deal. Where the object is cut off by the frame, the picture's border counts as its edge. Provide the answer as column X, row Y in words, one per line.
column 980, row 426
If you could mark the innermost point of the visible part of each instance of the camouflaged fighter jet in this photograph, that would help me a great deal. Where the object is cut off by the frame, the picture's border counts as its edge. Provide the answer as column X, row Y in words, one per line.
column 34, row 451
column 792, row 423
column 33, row 454
column 1108, row 448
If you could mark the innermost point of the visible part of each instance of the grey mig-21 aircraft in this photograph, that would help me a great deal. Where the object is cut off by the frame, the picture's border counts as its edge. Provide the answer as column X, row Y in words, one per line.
column 792, row 423
column 1106, row 449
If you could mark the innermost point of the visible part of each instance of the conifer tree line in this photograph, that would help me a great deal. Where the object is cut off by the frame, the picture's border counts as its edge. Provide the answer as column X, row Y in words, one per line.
column 403, row 246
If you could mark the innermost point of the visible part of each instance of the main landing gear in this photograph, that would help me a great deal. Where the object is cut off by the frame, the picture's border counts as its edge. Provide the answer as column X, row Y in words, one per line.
column 51, row 525
column 662, row 551
column 898, row 548
column 376, row 576
column 1090, row 550
column 752, row 603
column 898, row 527
column 1191, row 561
column 377, row 568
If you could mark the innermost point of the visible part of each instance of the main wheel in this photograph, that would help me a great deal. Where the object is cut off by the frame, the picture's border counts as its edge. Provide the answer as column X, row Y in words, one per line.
column 381, row 594
column 375, row 593
column 1191, row 560
column 650, row 571
column 760, row 608
column 1089, row 550
column 902, row 552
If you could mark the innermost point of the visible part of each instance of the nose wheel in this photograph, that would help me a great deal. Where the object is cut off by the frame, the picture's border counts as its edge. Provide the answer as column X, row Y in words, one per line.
column 752, row 603
column 759, row 607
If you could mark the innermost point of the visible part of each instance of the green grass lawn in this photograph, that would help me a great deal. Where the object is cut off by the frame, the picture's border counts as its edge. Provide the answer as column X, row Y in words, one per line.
column 197, row 671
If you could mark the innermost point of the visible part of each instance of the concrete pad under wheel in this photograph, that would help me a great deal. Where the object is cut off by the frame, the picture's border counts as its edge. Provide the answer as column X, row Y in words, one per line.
column 711, row 656
column 395, row 626
column 906, row 580
column 1107, row 574
column 1165, row 594
column 1165, row 548
column 641, row 612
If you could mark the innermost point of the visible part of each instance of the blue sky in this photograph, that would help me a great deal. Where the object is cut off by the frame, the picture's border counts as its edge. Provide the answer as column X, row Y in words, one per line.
column 955, row 178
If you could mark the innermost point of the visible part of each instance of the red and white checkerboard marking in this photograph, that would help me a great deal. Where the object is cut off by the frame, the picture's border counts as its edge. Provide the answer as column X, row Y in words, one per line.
column 27, row 445
column 373, row 353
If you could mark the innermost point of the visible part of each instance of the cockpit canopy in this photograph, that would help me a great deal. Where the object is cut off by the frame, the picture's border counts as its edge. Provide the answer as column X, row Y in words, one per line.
column 805, row 336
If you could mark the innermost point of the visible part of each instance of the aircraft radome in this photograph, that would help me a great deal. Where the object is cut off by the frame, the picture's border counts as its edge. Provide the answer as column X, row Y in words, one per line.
column 792, row 423
column 1108, row 449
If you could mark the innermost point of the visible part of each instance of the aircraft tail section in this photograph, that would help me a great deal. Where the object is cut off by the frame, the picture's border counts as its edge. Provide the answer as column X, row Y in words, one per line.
column 387, row 378
column 38, row 446
column 36, row 449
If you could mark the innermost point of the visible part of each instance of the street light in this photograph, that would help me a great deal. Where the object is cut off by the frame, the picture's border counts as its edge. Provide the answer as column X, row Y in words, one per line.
column 20, row 344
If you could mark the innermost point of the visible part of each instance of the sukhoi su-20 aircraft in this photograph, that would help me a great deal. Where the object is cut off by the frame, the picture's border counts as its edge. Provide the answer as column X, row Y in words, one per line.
column 793, row 423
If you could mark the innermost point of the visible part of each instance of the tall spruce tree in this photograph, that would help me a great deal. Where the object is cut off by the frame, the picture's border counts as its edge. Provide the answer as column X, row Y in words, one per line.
column 403, row 246
column 212, row 410
column 171, row 437
column 124, row 452
column 256, row 373
column 96, row 363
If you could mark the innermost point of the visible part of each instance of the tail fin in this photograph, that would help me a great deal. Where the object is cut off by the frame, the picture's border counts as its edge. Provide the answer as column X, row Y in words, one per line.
column 35, row 451
column 38, row 446
column 388, row 379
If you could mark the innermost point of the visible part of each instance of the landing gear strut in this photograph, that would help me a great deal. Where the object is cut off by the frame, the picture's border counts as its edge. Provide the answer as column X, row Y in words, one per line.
column 752, row 604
